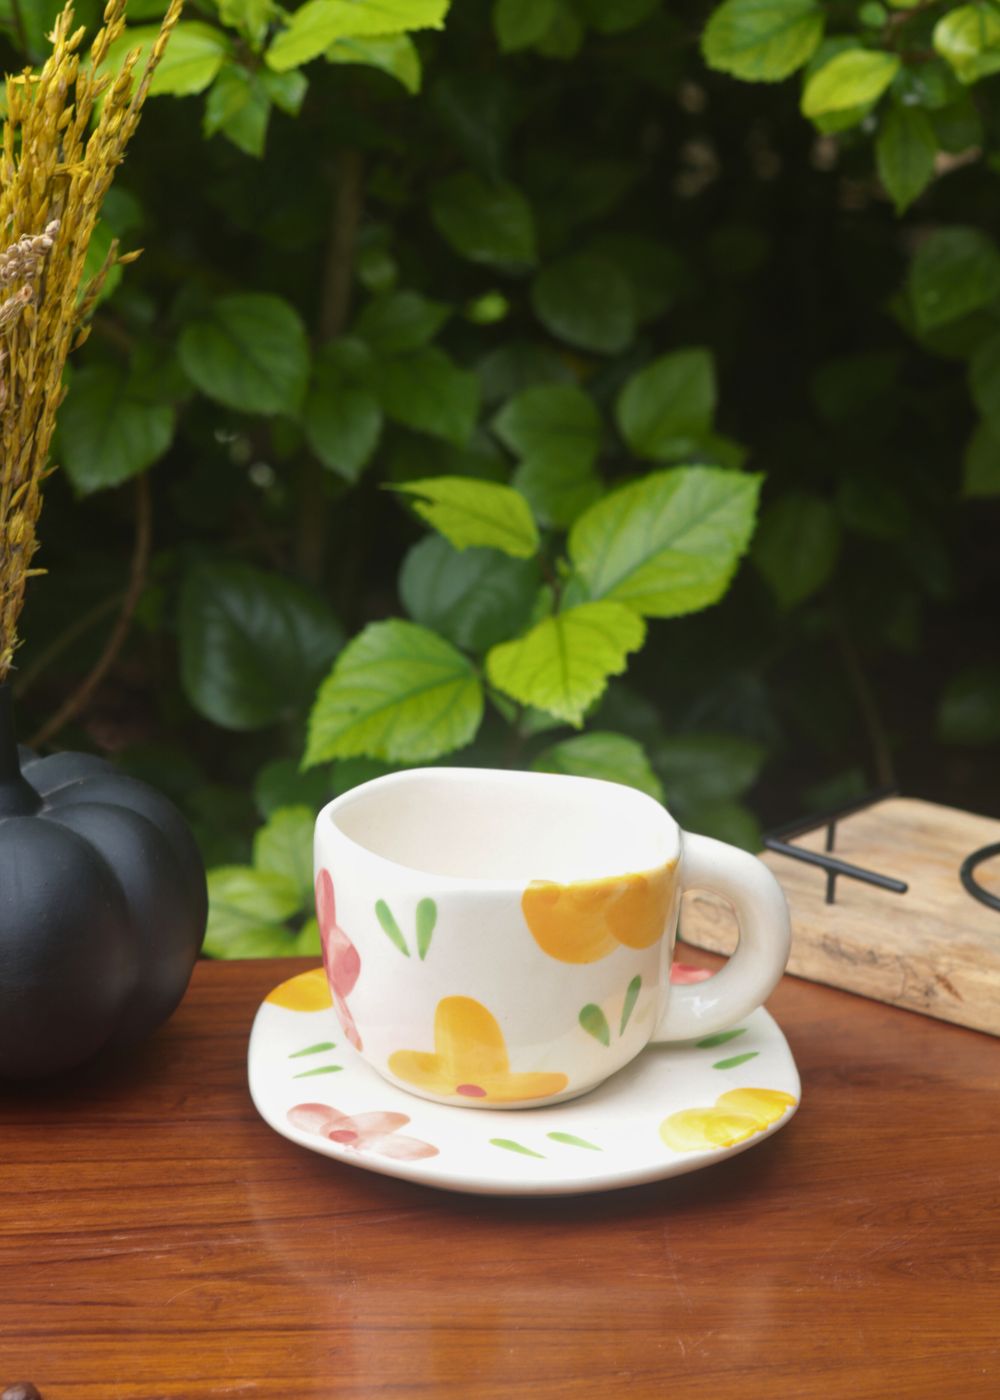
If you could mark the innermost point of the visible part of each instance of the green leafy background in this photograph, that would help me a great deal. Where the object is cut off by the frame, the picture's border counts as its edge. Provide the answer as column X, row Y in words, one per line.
column 593, row 386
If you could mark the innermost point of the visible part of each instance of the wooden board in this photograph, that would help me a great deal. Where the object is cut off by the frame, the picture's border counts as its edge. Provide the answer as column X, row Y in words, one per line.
column 934, row 949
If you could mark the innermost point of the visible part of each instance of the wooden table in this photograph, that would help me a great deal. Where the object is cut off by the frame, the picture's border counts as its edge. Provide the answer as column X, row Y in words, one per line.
column 157, row 1240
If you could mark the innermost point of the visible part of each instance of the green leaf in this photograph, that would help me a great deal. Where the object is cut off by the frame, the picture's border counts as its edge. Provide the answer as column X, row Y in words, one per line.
column 762, row 41
column 905, row 152
column 472, row 512
column 557, row 491
column 796, row 546
column 587, row 302
column 320, row 1069
column 669, row 543
column 981, row 464
column 251, row 17
column 702, row 768
column 191, row 60
column 253, row 645
column 969, row 39
column 510, row 1146
column 720, row 1038
column 853, row 78
column 564, row 37
column 571, row 1140
column 342, row 420
column 108, row 430
column 520, row 23
column 562, row 665
column 397, row 692
column 484, row 220
column 970, row 707
column 318, row 1049
column 725, row 820
column 595, row 1023
column 240, row 107
column 474, row 597
column 245, row 912
column 670, row 398
column 248, row 351
column 395, row 54
column 284, row 846
column 628, row 1006
column 390, row 928
column 286, row 90
column 317, row 24
column 956, row 270
column 735, row 1060
column 427, row 391
column 281, row 783
column 426, row 920
column 400, row 321
column 597, row 754
column 557, row 423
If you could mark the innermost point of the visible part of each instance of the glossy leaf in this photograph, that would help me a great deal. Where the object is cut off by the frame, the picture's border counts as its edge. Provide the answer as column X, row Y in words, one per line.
column 400, row 321
column 472, row 512
column 968, row 38
column 397, row 692
column 191, row 61
column 427, row 391
column 474, row 597
column 554, row 423
column 598, row 754
column 905, row 152
column 395, row 54
column 246, row 909
column 762, row 40
column 319, row 23
column 853, row 78
column 520, row 23
column 702, row 768
column 253, row 645
column 674, row 396
column 248, row 351
column 955, row 271
column 563, row 664
column 284, row 846
column 587, row 302
column 668, row 544
column 109, row 429
column 484, row 220
column 796, row 546
column 342, row 420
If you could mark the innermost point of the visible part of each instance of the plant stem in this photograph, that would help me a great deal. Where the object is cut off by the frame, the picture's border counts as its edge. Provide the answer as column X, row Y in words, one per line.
column 885, row 773
column 116, row 638
column 335, row 306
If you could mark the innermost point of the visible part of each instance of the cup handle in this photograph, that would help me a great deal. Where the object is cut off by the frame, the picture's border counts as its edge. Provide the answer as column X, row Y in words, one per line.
column 755, row 968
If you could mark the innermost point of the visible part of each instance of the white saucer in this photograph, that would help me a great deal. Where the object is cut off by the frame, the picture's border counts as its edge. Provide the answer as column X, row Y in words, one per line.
column 658, row 1117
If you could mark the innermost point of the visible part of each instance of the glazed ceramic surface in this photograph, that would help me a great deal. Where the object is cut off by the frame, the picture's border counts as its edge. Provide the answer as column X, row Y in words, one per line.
column 503, row 940
column 674, row 1109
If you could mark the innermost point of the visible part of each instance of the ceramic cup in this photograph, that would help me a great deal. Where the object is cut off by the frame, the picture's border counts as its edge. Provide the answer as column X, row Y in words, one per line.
column 504, row 939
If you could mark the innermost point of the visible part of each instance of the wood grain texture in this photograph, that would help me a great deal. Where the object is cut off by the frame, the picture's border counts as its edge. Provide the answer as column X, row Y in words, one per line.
column 934, row 949
column 159, row 1242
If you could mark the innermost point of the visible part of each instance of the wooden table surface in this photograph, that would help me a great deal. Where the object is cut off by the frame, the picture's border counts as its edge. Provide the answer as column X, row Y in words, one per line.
column 158, row 1240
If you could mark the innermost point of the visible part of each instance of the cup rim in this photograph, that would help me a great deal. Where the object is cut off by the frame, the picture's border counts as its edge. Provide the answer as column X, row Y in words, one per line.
column 326, row 827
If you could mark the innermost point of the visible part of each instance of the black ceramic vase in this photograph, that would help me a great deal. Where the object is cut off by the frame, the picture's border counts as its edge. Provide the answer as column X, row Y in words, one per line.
column 102, row 907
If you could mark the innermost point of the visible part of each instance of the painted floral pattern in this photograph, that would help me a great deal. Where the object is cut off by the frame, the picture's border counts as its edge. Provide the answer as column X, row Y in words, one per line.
column 376, row 1133
column 470, row 1060
column 736, row 1115
column 587, row 920
column 340, row 957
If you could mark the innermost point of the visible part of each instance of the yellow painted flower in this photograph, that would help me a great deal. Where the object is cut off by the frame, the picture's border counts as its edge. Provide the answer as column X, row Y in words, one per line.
column 737, row 1115
column 308, row 991
column 588, row 919
column 470, row 1059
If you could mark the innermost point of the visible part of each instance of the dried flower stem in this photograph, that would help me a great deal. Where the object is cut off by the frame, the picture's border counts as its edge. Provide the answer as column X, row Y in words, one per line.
column 65, row 134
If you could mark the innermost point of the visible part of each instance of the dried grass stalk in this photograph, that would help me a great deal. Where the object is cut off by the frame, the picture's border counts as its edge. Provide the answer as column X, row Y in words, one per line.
column 65, row 134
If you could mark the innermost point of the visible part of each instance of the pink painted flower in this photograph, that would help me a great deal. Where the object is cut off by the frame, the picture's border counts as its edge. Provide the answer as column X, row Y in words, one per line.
column 687, row 972
column 340, row 957
column 364, row 1132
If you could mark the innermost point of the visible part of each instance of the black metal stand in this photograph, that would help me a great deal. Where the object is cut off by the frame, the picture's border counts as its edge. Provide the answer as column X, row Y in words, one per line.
column 967, row 875
column 779, row 840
